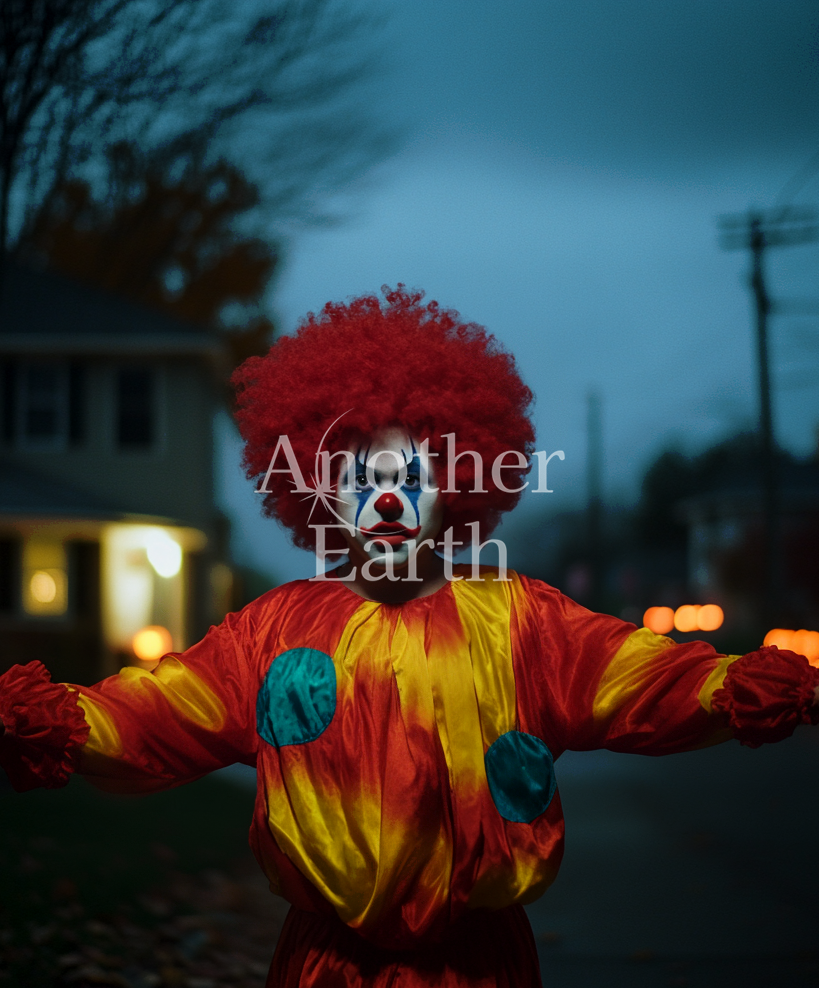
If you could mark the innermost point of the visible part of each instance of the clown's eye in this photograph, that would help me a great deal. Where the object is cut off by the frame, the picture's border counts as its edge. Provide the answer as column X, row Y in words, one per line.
column 361, row 481
column 412, row 482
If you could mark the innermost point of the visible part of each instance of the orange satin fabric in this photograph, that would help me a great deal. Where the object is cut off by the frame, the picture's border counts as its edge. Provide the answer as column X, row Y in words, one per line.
column 388, row 813
column 485, row 950
column 390, row 826
column 381, row 828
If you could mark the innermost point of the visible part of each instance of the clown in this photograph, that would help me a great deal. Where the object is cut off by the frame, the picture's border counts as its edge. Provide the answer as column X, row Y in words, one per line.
column 390, row 510
column 404, row 717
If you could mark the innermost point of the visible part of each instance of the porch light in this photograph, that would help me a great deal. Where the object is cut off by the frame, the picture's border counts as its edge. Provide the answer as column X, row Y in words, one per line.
column 151, row 643
column 45, row 577
column 164, row 553
column 43, row 586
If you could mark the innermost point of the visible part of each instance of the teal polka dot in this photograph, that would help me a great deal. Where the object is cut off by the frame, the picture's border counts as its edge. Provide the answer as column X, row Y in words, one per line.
column 520, row 771
column 297, row 699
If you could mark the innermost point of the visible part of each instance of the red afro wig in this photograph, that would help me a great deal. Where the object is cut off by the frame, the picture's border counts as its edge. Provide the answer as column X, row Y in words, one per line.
column 378, row 364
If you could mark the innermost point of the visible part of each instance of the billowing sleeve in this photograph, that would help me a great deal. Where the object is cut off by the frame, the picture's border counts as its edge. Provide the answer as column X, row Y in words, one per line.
column 592, row 681
column 138, row 731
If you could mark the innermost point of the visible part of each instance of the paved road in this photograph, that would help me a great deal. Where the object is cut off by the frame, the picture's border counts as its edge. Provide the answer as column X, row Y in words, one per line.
column 694, row 870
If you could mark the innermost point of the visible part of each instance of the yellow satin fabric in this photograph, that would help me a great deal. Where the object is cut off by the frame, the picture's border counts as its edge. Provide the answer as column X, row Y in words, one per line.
column 715, row 681
column 486, row 618
column 183, row 690
column 455, row 680
column 627, row 671
column 103, row 738
column 331, row 829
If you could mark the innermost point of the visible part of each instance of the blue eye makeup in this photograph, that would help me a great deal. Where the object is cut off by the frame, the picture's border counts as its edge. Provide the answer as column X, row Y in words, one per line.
column 363, row 488
column 362, row 483
column 412, row 484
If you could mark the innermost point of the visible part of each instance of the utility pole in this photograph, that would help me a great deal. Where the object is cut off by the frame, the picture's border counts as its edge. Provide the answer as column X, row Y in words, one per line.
column 755, row 231
column 594, row 494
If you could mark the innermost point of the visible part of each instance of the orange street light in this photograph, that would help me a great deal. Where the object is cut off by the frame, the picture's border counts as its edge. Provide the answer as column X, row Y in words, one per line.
column 660, row 620
column 685, row 618
column 710, row 617
column 689, row 617
column 802, row 642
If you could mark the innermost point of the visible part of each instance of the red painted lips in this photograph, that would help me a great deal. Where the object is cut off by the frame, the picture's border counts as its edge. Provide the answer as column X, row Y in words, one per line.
column 391, row 532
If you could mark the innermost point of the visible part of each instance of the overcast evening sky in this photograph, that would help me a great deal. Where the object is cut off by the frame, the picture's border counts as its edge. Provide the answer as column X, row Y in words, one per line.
column 563, row 166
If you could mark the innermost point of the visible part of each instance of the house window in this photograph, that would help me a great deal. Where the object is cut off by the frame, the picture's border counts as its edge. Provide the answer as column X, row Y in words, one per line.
column 45, row 578
column 136, row 408
column 76, row 404
column 9, row 380
column 43, row 404
column 9, row 574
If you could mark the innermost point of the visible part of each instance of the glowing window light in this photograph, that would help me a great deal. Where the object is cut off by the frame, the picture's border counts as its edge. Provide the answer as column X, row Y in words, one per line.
column 151, row 643
column 44, row 580
column 46, row 592
column 164, row 553
column 660, row 620
column 43, row 587
column 710, row 617
column 685, row 618
column 802, row 642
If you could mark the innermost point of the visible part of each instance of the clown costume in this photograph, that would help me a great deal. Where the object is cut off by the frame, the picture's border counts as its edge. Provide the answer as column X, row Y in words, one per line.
column 404, row 715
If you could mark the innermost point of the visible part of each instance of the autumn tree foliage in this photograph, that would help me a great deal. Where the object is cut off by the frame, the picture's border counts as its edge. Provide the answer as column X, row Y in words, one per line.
column 163, row 149
column 168, row 236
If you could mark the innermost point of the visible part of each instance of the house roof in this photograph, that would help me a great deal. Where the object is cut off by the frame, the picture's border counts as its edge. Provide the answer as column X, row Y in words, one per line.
column 29, row 493
column 41, row 311
column 797, row 490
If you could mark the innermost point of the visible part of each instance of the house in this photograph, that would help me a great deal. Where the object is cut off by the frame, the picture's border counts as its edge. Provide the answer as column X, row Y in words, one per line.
column 726, row 540
column 111, row 547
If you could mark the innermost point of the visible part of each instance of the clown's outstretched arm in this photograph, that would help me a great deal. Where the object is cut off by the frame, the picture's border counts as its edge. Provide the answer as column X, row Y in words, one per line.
column 139, row 731
column 593, row 681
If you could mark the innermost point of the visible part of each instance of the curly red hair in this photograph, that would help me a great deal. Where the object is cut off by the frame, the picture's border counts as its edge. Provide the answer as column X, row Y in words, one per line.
column 380, row 364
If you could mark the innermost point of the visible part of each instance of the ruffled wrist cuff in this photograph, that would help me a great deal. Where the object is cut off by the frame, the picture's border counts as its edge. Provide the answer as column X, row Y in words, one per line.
column 44, row 728
column 767, row 694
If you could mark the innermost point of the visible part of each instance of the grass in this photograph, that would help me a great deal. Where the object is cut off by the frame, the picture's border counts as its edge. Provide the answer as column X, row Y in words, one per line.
column 78, row 855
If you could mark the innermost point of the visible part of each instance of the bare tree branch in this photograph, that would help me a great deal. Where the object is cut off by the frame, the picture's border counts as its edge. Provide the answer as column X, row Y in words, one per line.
column 200, row 78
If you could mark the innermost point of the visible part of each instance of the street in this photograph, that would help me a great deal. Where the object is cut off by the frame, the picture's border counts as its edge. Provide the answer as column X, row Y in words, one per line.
column 694, row 870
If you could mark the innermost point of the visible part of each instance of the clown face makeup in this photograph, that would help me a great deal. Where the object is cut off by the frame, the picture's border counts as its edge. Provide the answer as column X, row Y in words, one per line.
column 385, row 497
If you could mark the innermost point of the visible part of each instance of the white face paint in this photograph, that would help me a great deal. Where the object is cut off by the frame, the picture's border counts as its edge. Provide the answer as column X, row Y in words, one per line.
column 384, row 496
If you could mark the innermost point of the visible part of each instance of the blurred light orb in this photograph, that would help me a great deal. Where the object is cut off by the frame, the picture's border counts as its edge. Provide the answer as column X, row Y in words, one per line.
column 779, row 637
column 43, row 587
column 710, row 617
column 802, row 642
column 806, row 643
column 164, row 554
column 685, row 618
column 660, row 620
column 151, row 643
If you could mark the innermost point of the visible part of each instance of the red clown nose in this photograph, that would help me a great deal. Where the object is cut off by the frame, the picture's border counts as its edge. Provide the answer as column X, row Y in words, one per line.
column 389, row 506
